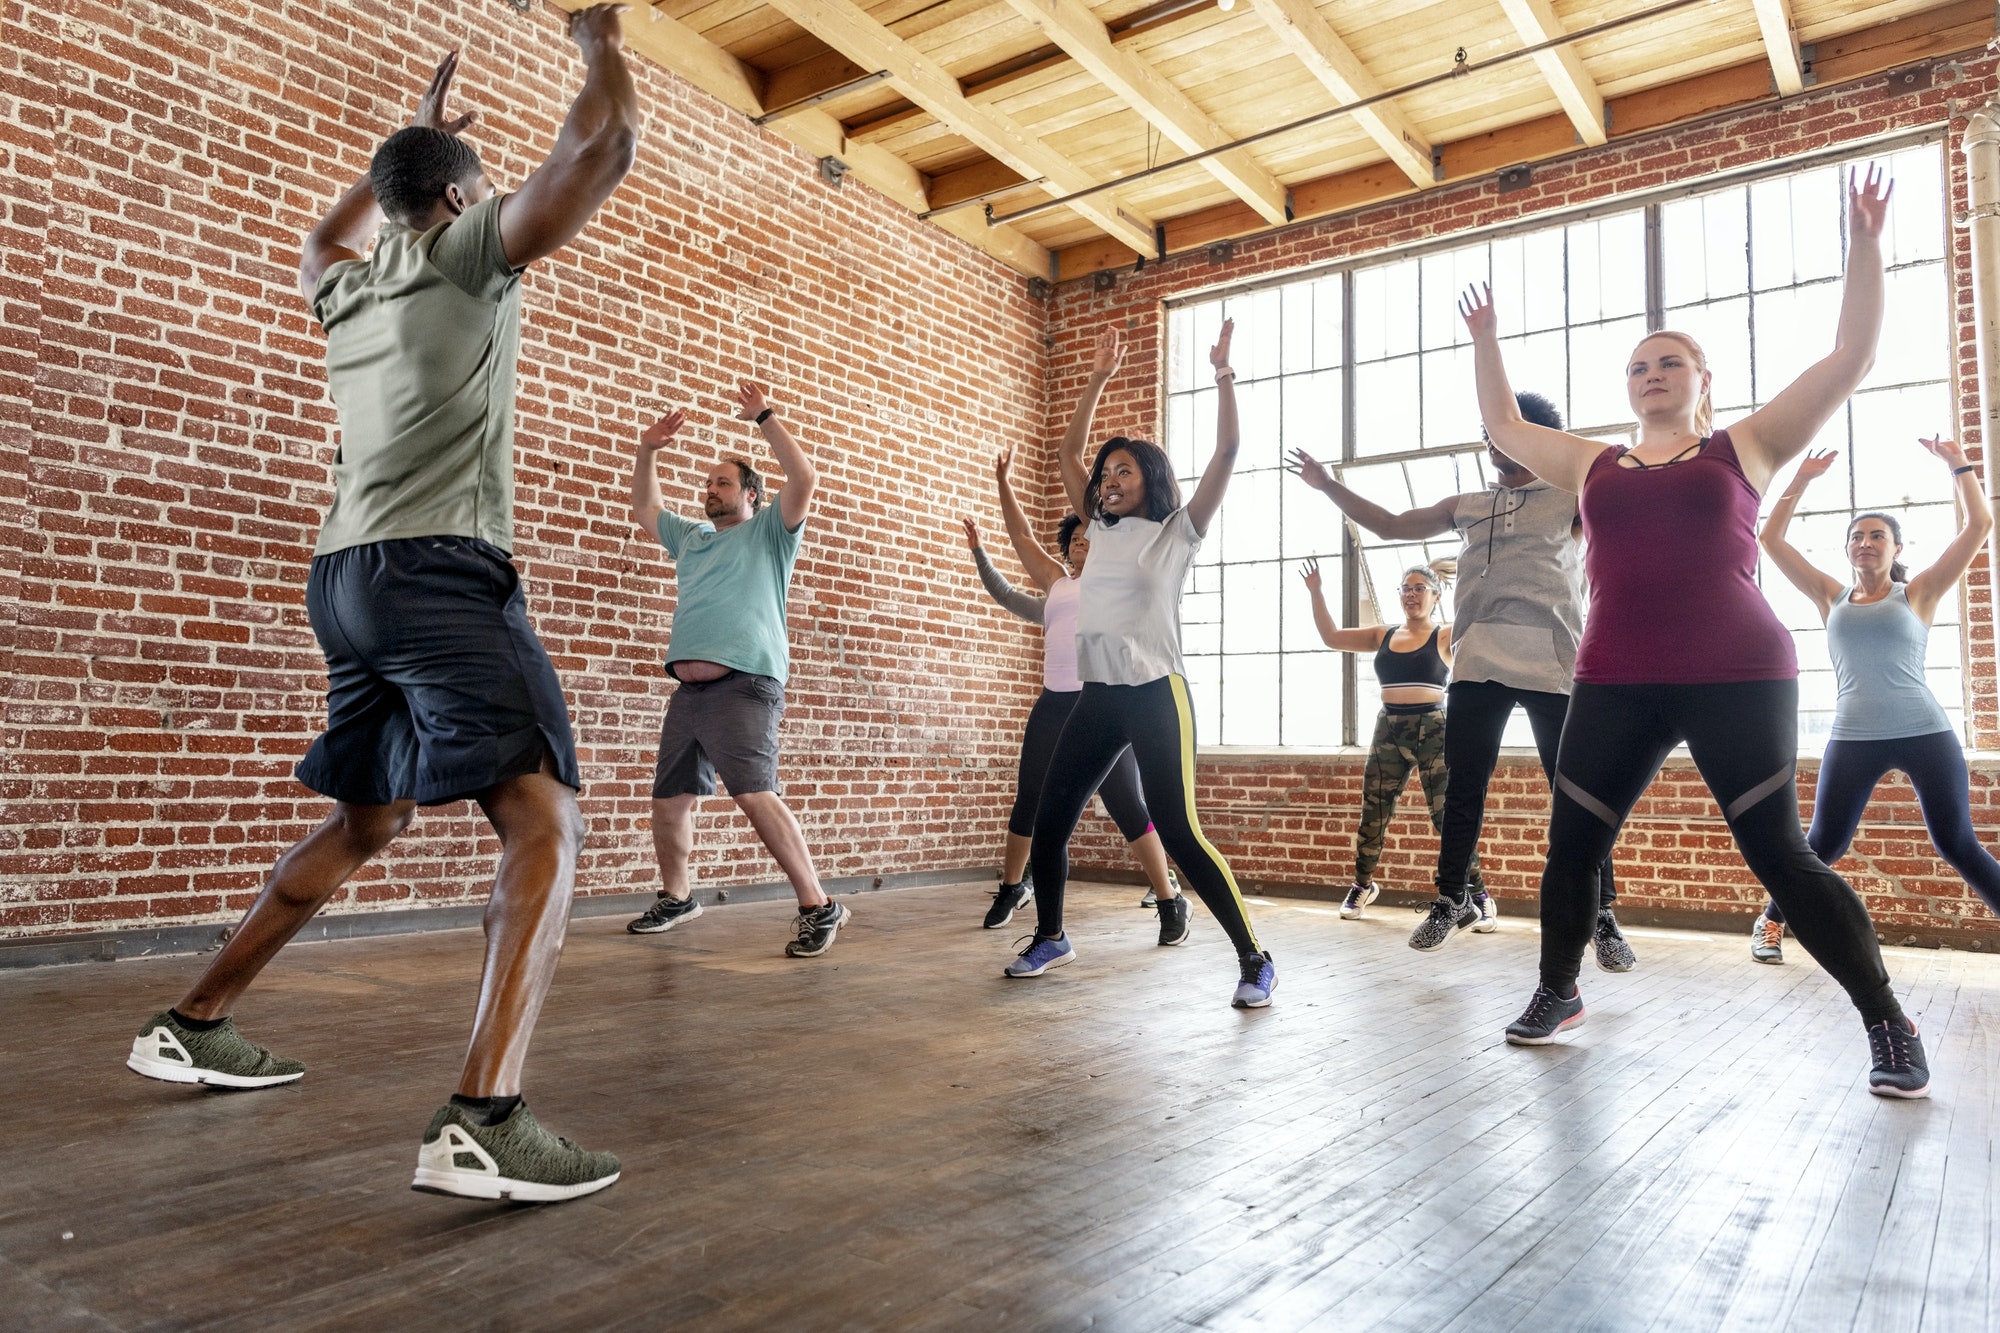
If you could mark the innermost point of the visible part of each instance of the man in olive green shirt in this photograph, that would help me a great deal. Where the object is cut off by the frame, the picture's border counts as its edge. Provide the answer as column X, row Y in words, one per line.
column 439, row 689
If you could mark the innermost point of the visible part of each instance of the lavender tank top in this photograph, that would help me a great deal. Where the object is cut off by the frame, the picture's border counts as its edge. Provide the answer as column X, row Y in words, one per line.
column 1671, row 556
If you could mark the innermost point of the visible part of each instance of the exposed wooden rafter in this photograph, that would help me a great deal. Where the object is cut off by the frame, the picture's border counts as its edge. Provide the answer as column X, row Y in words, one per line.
column 848, row 29
column 1072, row 27
column 674, row 46
column 1297, row 23
column 1949, row 30
column 1774, row 20
column 1536, row 22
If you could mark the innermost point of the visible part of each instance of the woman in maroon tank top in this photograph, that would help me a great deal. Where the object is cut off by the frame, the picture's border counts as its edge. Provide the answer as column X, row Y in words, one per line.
column 1680, row 645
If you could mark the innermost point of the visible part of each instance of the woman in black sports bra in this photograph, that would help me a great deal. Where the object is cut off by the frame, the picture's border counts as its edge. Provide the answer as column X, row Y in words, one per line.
column 1413, row 664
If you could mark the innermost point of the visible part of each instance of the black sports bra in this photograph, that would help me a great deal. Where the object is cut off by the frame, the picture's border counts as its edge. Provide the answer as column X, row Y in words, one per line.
column 1419, row 666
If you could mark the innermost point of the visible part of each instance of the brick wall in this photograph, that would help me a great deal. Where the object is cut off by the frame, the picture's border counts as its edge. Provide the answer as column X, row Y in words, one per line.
column 164, row 435
column 167, row 433
column 1290, row 819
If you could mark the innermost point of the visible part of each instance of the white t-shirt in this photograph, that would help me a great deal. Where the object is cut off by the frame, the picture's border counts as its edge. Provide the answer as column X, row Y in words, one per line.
column 1128, row 623
column 1059, row 637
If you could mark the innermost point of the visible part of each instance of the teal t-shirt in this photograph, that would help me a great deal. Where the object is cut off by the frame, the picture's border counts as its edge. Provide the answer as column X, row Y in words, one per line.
column 732, row 591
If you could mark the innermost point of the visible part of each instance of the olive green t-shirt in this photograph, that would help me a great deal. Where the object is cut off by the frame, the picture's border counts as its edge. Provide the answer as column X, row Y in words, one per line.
column 422, row 337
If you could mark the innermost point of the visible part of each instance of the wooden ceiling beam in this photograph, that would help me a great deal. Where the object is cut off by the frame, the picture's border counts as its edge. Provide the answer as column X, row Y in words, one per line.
column 983, row 177
column 674, row 46
column 1071, row 26
column 1774, row 20
column 848, row 29
column 1952, row 30
column 1297, row 24
column 809, row 78
column 1536, row 22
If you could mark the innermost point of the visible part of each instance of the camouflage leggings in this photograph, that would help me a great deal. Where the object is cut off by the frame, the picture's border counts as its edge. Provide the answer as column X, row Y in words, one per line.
column 1402, row 741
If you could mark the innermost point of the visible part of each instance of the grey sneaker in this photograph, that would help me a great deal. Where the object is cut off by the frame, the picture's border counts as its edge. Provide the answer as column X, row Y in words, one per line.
column 1175, row 926
column 166, row 1050
column 1442, row 924
column 664, row 914
column 1767, row 940
column 1608, row 942
column 1901, row 1068
column 1489, row 915
column 1547, row 1016
column 1358, row 897
column 516, row 1159
column 817, row 929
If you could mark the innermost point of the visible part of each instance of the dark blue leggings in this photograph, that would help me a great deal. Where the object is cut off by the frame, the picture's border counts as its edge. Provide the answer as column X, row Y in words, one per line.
column 1936, row 765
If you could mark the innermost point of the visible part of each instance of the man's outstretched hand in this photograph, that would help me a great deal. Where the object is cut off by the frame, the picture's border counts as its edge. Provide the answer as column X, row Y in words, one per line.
column 430, row 107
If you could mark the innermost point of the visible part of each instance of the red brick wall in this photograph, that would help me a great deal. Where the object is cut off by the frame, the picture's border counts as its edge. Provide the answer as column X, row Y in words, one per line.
column 167, row 432
column 1291, row 819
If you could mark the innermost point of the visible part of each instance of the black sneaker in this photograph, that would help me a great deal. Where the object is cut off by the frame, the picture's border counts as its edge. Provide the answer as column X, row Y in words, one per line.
column 1608, row 943
column 1443, row 923
column 1009, row 899
column 1547, row 1016
column 1900, row 1066
column 664, row 914
column 1174, row 924
column 817, row 928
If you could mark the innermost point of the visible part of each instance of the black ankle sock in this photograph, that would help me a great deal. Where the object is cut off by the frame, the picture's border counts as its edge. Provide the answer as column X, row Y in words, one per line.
column 487, row 1110
column 198, row 1024
column 1874, row 1018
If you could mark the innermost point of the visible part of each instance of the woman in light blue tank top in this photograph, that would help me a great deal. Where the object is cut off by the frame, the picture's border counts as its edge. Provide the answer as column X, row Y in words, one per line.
column 1885, row 716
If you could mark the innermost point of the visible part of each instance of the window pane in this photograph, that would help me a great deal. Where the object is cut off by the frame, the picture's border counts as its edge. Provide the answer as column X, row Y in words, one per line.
column 1250, row 601
column 1311, row 700
column 1450, row 399
column 1252, row 503
column 1250, row 699
column 1385, row 407
column 1597, row 372
column 1311, row 525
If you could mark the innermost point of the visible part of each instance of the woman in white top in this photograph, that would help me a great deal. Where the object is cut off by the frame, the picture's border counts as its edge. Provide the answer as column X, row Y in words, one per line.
column 1124, row 799
column 1128, row 655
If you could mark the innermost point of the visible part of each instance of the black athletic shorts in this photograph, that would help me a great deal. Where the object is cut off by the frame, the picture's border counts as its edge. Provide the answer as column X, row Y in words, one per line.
column 727, row 726
column 438, row 687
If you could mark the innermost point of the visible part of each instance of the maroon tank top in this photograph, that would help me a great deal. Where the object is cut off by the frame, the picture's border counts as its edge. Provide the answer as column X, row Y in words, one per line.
column 1672, row 559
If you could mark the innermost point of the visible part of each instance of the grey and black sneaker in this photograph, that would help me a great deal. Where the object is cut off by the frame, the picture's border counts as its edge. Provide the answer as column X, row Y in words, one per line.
column 1608, row 943
column 1009, row 899
column 1259, row 979
column 664, row 914
column 1900, row 1067
column 1443, row 923
column 1358, row 897
column 817, row 929
column 516, row 1159
column 1547, row 1016
column 1767, row 940
column 1489, row 915
column 219, row 1056
column 1175, row 926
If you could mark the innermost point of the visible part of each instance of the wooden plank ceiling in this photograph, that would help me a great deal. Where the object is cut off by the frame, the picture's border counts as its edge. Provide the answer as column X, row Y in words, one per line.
column 1004, row 105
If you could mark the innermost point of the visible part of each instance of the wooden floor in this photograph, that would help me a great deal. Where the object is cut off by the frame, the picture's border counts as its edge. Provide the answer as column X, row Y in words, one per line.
column 893, row 1137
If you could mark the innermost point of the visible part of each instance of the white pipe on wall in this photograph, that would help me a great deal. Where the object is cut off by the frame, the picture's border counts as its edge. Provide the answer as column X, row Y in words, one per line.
column 1981, row 146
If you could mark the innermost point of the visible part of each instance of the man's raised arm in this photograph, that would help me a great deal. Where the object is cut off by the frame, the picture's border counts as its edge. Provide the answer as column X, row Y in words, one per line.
column 592, row 154
column 800, row 476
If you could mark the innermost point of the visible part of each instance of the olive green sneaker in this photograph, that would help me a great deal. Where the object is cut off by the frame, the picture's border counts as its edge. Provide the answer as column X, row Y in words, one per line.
column 516, row 1159
column 164, row 1049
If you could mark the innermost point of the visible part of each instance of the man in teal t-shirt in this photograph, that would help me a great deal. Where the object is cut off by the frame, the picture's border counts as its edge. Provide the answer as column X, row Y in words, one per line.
column 729, row 653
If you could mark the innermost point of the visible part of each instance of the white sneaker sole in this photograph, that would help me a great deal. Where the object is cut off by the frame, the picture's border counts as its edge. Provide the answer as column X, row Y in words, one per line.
column 1567, row 1025
column 168, row 1072
column 1060, row 960
column 634, row 928
column 470, row 1185
column 1264, row 1003
column 1884, row 1091
column 1487, row 925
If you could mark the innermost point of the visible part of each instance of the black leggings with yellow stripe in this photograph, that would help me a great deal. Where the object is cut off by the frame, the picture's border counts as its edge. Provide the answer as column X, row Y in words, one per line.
column 1157, row 721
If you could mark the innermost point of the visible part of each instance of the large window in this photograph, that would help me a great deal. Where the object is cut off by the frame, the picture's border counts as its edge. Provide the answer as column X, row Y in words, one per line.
column 1368, row 367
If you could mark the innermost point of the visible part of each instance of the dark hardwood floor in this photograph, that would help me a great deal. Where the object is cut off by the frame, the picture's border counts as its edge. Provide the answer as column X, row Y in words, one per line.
column 894, row 1137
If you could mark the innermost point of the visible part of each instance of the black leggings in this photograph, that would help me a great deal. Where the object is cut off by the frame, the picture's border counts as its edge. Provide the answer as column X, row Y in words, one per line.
column 1476, row 713
column 1123, row 799
column 1157, row 721
column 1744, row 739
column 1936, row 765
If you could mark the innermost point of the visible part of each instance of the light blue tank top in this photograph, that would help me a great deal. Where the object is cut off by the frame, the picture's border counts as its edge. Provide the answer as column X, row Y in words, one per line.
column 1878, row 663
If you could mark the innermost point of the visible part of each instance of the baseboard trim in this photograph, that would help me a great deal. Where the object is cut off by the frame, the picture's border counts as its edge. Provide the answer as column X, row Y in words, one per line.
column 161, row 941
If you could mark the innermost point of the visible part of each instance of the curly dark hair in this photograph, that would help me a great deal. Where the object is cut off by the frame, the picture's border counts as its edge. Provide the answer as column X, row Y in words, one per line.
column 1163, row 493
column 412, row 168
column 1065, row 531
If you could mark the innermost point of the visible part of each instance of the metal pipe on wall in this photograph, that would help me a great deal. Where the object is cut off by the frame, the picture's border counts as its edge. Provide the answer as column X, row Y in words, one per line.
column 1981, row 146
